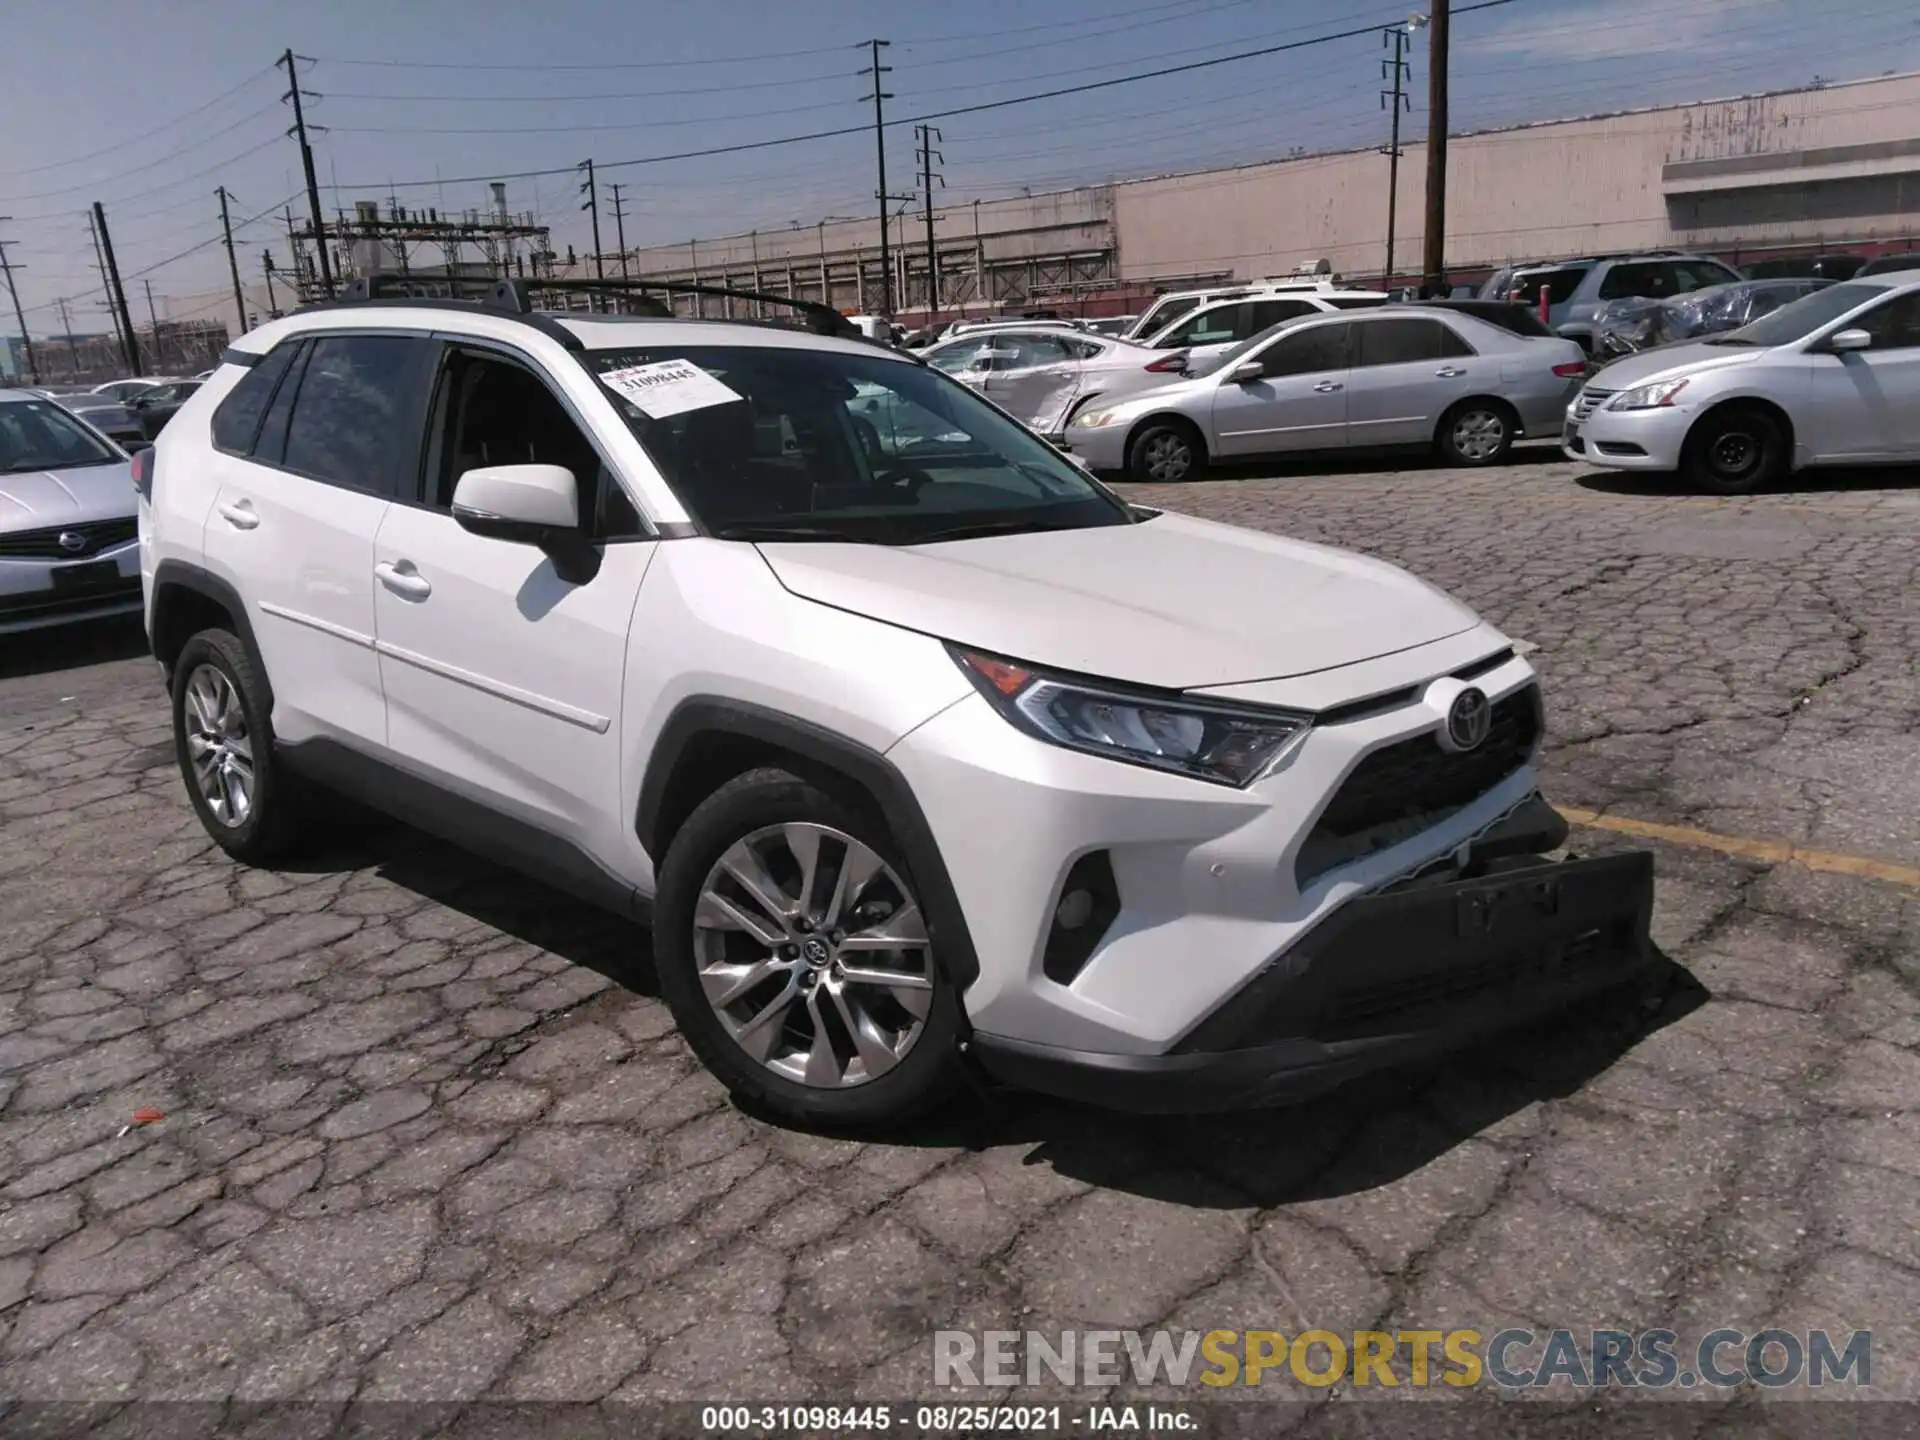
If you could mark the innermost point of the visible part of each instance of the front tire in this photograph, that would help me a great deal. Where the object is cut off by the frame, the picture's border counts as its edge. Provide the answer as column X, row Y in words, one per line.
column 1734, row 452
column 1166, row 453
column 1476, row 433
column 792, row 949
column 223, row 739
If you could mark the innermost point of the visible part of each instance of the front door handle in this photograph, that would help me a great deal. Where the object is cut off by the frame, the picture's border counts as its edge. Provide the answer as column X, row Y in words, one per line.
column 1327, row 387
column 1448, row 372
column 239, row 514
column 403, row 580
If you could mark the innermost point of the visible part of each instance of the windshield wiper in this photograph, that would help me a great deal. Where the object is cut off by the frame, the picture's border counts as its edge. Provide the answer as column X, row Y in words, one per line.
column 780, row 532
column 980, row 528
column 1726, row 340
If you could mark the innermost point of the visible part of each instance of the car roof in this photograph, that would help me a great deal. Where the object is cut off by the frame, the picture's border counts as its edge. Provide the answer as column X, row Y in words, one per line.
column 595, row 332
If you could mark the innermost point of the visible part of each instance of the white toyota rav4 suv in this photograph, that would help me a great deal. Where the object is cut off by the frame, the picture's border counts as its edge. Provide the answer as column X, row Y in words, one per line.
column 916, row 747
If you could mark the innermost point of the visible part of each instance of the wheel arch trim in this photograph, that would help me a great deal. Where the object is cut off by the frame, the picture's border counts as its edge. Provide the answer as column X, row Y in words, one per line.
column 180, row 575
column 877, row 777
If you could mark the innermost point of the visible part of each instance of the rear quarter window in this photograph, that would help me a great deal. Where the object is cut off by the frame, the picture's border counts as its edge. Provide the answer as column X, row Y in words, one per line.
column 236, row 421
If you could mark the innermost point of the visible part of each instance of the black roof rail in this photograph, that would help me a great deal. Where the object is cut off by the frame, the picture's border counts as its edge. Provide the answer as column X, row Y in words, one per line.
column 405, row 292
column 517, row 294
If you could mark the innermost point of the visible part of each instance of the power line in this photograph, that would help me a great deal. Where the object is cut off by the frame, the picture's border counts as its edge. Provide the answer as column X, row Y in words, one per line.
column 838, row 131
column 147, row 133
column 613, row 65
column 649, row 124
column 99, row 181
column 493, row 99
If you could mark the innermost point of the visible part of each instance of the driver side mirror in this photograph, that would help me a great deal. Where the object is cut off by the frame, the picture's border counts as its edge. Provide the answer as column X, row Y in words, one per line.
column 1247, row 371
column 1850, row 340
column 528, row 505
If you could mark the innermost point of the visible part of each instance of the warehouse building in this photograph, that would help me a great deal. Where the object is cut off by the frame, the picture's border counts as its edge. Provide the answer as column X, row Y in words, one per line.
column 1836, row 166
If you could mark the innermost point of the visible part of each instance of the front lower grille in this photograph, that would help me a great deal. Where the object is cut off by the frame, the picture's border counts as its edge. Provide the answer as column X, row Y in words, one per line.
column 1401, row 789
column 1588, row 401
column 87, row 537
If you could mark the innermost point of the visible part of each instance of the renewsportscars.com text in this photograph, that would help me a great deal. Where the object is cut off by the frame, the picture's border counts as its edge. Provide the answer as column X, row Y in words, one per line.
column 1509, row 1359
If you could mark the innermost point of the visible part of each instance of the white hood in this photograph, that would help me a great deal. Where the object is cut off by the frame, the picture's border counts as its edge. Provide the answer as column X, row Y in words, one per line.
column 33, row 499
column 1172, row 602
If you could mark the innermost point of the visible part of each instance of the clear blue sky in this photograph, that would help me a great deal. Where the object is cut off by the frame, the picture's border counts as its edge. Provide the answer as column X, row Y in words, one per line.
column 148, row 108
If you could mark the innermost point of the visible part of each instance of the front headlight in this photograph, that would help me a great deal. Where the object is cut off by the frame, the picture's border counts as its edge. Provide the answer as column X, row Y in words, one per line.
column 1647, row 397
column 1226, row 744
column 1094, row 419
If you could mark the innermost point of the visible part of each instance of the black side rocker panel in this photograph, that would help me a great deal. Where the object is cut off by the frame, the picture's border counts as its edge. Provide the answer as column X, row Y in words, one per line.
column 470, row 824
column 873, row 772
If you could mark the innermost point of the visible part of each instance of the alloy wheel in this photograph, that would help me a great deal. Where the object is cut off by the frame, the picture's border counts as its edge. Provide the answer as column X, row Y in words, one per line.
column 219, row 745
column 814, row 954
column 1479, row 434
column 1169, row 457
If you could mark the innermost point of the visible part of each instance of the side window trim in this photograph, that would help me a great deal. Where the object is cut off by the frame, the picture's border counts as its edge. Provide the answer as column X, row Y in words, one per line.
column 290, row 387
column 491, row 349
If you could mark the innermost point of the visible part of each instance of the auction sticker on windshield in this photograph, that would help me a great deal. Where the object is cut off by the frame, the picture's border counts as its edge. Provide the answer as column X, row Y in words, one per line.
column 668, row 387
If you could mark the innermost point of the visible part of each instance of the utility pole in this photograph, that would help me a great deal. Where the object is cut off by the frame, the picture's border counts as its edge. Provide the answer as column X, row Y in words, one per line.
column 153, row 323
column 1395, row 100
column 880, row 145
column 927, row 154
column 273, row 301
column 1435, row 236
column 116, row 289
column 233, row 266
column 100, row 265
column 620, row 230
column 73, row 346
column 306, row 163
column 592, row 192
column 19, row 316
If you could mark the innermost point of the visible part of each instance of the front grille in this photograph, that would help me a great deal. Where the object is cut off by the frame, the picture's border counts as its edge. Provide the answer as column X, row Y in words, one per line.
column 95, row 536
column 1588, row 401
column 1399, row 790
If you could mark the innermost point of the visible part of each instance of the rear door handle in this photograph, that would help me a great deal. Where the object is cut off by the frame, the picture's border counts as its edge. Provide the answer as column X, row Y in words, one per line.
column 1447, row 372
column 239, row 514
column 1327, row 387
column 403, row 580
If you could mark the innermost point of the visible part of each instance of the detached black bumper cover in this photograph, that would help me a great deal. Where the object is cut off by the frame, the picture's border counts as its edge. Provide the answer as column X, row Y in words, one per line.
column 1385, row 980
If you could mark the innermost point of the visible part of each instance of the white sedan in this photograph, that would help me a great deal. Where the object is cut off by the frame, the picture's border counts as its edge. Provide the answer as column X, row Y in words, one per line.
column 1832, row 379
column 1042, row 375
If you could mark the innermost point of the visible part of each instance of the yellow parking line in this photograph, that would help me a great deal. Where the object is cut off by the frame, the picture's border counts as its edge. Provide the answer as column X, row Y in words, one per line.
column 1773, row 852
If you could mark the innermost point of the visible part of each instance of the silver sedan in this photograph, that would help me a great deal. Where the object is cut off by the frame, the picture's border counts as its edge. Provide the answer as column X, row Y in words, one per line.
column 1042, row 376
column 1395, row 376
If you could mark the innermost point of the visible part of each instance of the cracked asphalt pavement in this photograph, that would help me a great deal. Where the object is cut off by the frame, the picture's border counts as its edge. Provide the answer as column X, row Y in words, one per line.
column 427, row 1134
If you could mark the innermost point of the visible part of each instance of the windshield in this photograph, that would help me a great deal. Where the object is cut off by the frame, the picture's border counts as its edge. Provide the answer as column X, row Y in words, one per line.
column 39, row 435
column 1163, row 313
column 814, row 444
column 1803, row 317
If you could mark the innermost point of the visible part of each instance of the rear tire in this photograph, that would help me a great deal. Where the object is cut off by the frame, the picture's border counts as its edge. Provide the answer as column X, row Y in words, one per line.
column 250, row 804
column 788, row 1030
column 1166, row 452
column 1734, row 451
column 1476, row 433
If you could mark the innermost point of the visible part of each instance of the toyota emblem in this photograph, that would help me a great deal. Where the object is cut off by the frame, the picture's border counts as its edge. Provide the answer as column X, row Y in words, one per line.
column 72, row 541
column 1468, row 719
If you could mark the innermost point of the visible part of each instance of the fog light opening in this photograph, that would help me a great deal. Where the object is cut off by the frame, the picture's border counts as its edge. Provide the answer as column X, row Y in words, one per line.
column 1089, row 903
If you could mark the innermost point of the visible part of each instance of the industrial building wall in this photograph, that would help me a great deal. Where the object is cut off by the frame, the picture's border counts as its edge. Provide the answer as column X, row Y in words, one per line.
column 1838, row 163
